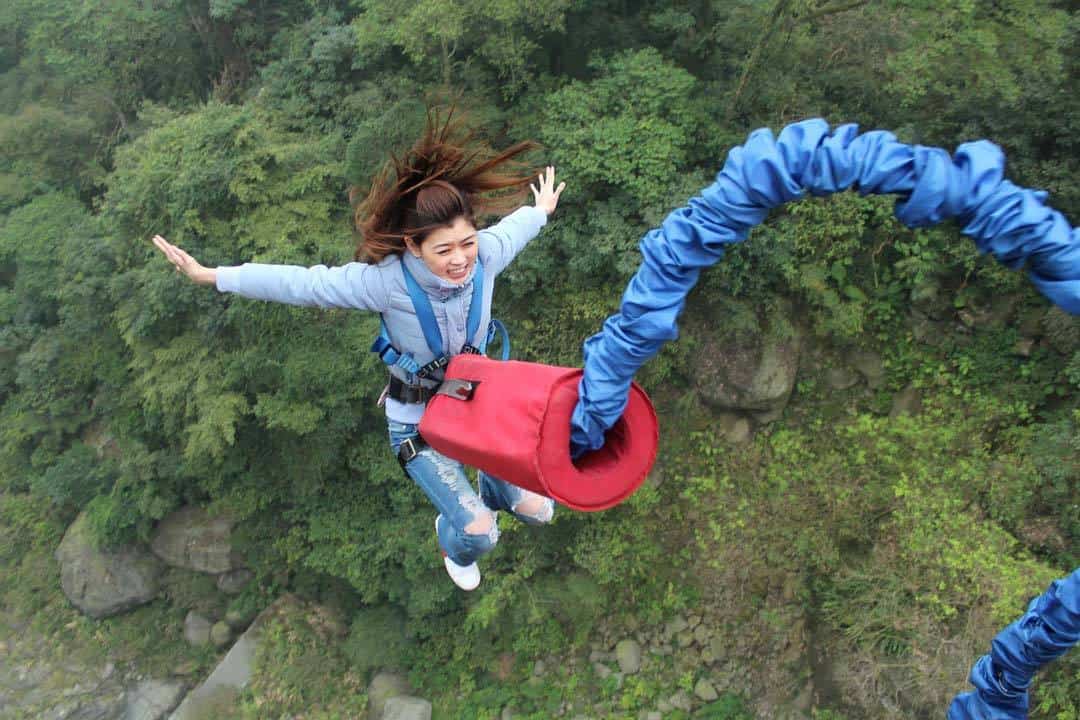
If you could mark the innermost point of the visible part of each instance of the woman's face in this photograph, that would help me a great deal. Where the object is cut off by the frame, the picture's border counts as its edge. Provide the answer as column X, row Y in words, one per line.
column 449, row 252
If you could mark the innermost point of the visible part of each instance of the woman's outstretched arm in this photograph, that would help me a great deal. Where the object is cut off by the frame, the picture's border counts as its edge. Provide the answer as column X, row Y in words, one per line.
column 185, row 263
column 501, row 242
column 354, row 285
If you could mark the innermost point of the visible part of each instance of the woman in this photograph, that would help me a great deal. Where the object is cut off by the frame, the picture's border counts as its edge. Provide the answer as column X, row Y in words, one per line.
column 417, row 226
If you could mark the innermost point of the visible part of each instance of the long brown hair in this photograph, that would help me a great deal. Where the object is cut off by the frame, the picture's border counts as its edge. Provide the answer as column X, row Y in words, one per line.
column 448, row 173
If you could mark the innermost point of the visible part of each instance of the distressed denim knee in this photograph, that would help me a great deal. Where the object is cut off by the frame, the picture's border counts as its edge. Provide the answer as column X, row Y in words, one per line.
column 527, row 506
column 535, row 509
column 444, row 482
column 481, row 535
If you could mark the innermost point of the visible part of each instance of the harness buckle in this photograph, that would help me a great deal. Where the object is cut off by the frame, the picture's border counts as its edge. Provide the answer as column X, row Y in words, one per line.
column 434, row 366
column 409, row 449
column 457, row 388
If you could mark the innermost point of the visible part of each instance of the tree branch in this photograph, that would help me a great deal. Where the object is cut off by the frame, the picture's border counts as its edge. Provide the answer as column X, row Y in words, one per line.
column 774, row 20
column 834, row 9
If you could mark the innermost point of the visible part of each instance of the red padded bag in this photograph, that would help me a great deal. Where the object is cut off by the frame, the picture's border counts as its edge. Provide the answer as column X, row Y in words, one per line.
column 515, row 425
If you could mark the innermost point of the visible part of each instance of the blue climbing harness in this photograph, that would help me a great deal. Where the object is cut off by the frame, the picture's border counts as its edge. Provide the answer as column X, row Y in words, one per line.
column 430, row 326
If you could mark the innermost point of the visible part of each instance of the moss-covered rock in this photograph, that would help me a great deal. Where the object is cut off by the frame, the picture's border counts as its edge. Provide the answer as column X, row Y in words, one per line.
column 101, row 582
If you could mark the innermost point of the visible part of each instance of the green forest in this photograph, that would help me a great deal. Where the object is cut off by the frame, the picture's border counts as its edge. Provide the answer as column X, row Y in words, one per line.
column 845, row 552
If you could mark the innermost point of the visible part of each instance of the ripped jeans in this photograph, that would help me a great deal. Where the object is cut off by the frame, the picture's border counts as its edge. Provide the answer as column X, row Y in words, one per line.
column 468, row 528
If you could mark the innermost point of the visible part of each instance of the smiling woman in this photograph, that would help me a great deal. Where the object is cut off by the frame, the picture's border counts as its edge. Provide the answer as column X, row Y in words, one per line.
column 420, row 243
column 450, row 252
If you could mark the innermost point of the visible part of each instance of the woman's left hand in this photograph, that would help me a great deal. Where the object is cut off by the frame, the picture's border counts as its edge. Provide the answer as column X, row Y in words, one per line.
column 545, row 192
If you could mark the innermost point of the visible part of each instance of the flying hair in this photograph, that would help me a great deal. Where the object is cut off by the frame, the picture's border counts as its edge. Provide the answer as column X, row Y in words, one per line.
column 448, row 173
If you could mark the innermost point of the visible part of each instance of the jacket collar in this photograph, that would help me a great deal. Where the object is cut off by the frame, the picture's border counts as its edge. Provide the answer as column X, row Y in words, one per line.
column 431, row 283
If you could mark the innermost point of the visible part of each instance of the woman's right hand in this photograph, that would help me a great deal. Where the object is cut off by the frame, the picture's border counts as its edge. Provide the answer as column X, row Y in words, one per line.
column 185, row 263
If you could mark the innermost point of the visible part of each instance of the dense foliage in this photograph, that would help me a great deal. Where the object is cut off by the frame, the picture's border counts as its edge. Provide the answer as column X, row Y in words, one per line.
column 235, row 128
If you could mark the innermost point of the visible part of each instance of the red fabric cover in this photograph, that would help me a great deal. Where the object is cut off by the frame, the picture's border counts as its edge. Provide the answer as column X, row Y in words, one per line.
column 517, row 428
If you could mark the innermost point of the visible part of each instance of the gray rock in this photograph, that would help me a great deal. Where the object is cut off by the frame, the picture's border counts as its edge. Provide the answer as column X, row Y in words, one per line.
column 602, row 671
column 405, row 707
column 755, row 372
column 907, row 402
column 98, row 708
column 682, row 701
column 539, row 668
column 1023, row 347
column 507, row 713
column 190, row 538
column 220, row 634
column 196, row 629
column 153, row 699
column 735, row 428
column 674, row 627
column 232, row 582
column 237, row 620
column 841, row 377
column 385, row 686
column 705, row 690
column 628, row 655
column 101, row 583
column 870, row 365
column 701, row 634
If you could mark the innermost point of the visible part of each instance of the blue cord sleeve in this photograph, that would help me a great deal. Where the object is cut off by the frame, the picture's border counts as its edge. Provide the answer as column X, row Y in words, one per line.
column 1014, row 224
column 1001, row 678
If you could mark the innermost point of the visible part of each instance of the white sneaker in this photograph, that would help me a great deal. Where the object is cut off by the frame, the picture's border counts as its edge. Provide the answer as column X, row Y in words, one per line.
column 466, row 577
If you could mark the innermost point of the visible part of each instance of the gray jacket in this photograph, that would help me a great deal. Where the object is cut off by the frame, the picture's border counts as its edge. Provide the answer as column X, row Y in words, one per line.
column 381, row 288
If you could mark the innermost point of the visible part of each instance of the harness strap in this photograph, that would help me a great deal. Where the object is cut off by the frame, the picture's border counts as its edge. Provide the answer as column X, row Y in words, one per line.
column 430, row 327
column 409, row 449
column 424, row 312
column 406, row 393
column 497, row 326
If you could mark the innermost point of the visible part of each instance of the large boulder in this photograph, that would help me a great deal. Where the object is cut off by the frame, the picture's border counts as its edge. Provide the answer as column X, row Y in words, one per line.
column 628, row 655
column 405, row 707
column 153, row 699
column 384, row 687
column 101, row 583
column 190, row 538
column 750, row 371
